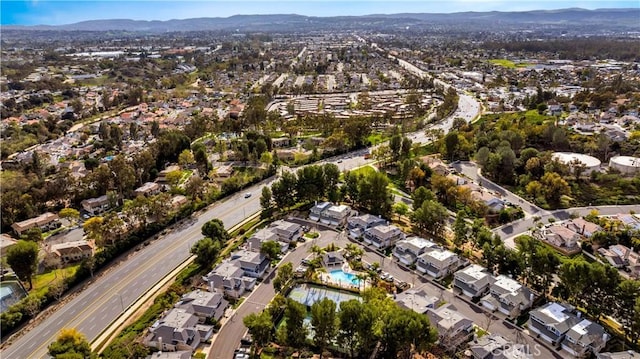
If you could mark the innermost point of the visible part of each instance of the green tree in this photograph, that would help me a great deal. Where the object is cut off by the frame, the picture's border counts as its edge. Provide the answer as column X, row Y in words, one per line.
column 430, row 218
column 374, row 194
column 186, row 158
column 23, row 259
column 461, row 229
column 32, row 235
column 260, row 327
column 404, row 330
column 70, row 214
column 420, row 195
column 296, row 332
column 284, row 190
column 284, row 275
column 554, row 187
column 71, row 344
column 215, row 229
column 271, row 249
column 626, row 294
column 401, row 209
column 349, row 331
column 266, row 199
column 323, row 321
column 206, row 251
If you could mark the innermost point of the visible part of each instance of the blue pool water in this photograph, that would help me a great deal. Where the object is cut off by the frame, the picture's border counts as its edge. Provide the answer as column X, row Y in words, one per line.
column 340, row 276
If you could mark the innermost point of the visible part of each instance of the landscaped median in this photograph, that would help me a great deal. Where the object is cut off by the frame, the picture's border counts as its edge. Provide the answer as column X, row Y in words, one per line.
column 124, row 332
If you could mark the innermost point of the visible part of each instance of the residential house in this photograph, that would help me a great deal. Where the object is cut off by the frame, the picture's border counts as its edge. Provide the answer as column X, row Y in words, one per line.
column 438, row 262
column 508, row 296
column 359, row 224
column 585, row 337
column 617, row 255
column 5, row 243
column 178, row 201
column 552, row 321
column 68, row 252
column 493, row 203
column 254, row 264
column 629, row 354
column 560, row 236
column 147, row 189
column 229, row 278
column 223, row 173
column 178, row 330
column 333, row 259
column 315, row 213
column 473, row 281
column 408, row 250
column 453, row 328
column 45, row 222
column 436, row 165
column 383, row 236
column 162, row 175
column 628, row 220
column 266, row 235
column 206, row 305
column 280, row 142
column 286, row 231
column 583, row 227
column 96, row 205
column 335, row 215
column 495, row 346
column 417, row 300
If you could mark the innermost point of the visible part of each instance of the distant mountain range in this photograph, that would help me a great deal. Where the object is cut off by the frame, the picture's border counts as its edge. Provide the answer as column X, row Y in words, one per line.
column 494, row 20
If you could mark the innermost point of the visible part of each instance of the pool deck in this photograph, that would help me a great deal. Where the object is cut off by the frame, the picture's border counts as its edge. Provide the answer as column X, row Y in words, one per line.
column 327, row 278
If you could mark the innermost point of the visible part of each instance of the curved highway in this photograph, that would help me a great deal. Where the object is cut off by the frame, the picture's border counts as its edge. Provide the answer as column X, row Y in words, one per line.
column 110, row 294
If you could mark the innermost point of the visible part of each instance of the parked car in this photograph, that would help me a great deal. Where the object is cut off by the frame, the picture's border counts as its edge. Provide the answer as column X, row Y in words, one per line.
column 247, row 195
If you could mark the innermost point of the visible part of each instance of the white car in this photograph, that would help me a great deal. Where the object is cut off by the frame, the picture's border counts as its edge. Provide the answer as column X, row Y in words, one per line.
column 247, row 195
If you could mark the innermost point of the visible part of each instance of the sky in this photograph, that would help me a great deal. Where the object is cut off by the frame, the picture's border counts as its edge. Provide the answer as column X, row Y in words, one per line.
column 58, row 12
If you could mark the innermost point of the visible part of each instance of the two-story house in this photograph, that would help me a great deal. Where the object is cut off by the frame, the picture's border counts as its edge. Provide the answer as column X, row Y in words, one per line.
column 473, row 281
column 147, row 189
column 585, row 337
column 177, row 330
column 254, row 264
column 383, row 236
column 335, row 215
column 359, row 224
column 315, row 213
column 287, row 231
column 583, row 227
column 68, row 252
column 552, row 321
column 45, row 222
column 265, row 235
column 560, row 236
column 408, row 250
column 438, row 262
column 229, row 277
column 453, row 328
column 204, row 304
column 508, row 296
column 96, row 205
column 417, row 300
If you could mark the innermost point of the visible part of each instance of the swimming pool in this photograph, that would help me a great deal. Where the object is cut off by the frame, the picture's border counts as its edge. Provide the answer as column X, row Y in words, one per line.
column 340, row 276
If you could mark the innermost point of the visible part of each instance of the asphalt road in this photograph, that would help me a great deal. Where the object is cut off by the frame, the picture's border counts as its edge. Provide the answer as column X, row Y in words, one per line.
column 511, row 230
column 107, row 296
column 470, row 170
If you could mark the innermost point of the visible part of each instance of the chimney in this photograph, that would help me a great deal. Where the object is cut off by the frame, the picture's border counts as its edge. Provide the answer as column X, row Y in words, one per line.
column 160, row 343
column 583, row 227
column 627, row 252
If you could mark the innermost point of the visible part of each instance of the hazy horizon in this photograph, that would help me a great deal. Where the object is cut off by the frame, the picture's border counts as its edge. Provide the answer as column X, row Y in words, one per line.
column 53, row 12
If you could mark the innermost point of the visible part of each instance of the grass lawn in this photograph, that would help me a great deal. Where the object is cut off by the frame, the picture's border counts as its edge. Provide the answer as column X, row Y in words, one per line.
column 42, row 281
column 366, row 170
column 508, row 63
column 376, row 138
